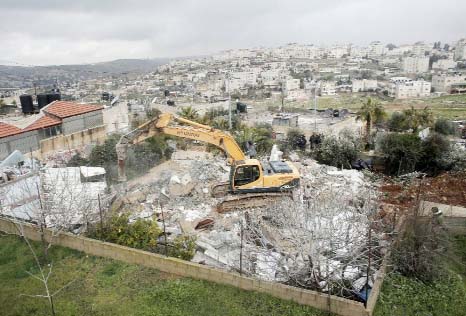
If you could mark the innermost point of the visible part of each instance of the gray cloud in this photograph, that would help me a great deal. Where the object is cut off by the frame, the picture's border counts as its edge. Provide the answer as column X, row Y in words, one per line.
column 56, row 32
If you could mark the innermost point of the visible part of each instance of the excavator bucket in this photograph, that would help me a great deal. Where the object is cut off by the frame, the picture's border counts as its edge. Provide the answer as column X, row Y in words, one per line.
column 121, row 150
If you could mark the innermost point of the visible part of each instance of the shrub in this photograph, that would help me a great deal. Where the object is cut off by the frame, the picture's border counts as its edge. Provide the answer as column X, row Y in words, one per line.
column 445, row 127
column 434, row 147
column 183, row 247
column 140, row 234
column 338, row 151
column 77, row 161
column 260, row 135
column 397, row 123
column 402, row 152
column 455, row 160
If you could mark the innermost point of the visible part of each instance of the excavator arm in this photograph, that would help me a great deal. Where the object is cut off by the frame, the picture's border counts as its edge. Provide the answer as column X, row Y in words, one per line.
column 170, row 124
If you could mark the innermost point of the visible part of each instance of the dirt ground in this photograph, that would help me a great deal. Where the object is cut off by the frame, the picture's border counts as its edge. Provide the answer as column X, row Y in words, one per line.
column 447, row 188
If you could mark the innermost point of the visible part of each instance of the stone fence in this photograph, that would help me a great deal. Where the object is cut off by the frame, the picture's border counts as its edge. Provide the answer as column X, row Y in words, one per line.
column 333, row 304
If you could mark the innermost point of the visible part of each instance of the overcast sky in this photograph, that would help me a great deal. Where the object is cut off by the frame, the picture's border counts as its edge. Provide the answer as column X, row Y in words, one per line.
column 43, row 32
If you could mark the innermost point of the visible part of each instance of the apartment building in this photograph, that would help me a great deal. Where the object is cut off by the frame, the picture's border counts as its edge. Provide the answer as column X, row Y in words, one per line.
column 444, row 64
column 420, row 49
column 376, row 48
column 405, row 88
column 291, row 84
column 460, row 50
column 445, row 82
column 327, row 88
column 238, row 80
column 364, row 85
column 415, row 64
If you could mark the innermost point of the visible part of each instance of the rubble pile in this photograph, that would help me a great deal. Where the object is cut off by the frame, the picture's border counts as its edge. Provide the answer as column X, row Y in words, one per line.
column 315, row 240
column 62, row 198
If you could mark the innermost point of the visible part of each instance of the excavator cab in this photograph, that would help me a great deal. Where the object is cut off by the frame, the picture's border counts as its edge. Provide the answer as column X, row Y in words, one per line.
column 252, row 176
column 246, row 175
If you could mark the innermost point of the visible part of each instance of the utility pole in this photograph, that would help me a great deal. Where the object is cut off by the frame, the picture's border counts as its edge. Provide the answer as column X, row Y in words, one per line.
column 229, row 101
column 315, row 108
column 241, row 251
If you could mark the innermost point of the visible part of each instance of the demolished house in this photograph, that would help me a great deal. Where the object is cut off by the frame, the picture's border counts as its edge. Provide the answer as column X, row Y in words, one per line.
column 67, row 198
column 321, row 238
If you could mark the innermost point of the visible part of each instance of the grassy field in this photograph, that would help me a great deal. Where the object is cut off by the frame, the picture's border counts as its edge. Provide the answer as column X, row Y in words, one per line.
column 106, row 287
column 451, row 107
column 403, row 296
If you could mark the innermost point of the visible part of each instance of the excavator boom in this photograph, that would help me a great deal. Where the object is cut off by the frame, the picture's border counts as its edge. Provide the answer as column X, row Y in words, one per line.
column 170, row 124
column 259, row 183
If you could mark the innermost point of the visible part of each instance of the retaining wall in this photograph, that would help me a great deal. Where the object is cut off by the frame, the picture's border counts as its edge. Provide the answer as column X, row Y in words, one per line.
column 78, row 139
column 94, row 247
column 453, row 217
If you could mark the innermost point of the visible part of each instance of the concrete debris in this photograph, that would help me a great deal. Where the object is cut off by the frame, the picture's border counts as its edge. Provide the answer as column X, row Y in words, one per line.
column 180, row 186
column 205, row 223
column 62, row 197
column 328, row 215
column 294, row 156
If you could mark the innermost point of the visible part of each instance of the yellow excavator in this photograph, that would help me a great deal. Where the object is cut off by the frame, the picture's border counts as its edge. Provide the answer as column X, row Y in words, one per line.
column 257, row 182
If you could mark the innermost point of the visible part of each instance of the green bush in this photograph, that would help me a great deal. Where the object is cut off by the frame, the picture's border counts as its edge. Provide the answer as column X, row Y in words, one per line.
column 140, row 234
column 402, row 152
column 445, row 127
column 397, row 123
column 454, row 160
column 260, row 135
column 406, row 153
column 338, row 151
column 183, row 247
column 434, row 147
column 77, row 161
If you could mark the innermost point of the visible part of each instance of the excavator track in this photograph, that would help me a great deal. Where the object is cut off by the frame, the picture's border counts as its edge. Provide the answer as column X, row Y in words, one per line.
column 250, row 200
column 220, row 190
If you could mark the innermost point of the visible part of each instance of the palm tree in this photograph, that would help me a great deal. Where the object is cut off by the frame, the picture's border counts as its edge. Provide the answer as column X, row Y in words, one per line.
column 189, row 113
column 371, row 112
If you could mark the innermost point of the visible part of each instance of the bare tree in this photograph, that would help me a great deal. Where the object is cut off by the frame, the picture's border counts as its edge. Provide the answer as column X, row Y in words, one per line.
column 328, row 243
column 56, row 200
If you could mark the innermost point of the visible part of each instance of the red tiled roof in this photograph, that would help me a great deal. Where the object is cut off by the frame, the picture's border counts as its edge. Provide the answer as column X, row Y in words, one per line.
column 8, row 130
column 43, row 122
column 64, row 109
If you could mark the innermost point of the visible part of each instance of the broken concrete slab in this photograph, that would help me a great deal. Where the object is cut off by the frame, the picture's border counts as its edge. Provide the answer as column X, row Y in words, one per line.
column 180, row 186
column 204, row 224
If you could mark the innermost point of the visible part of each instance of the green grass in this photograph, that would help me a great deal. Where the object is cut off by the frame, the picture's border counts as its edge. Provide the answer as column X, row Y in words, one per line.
column 447, row 297
column 106, row 287
column 451, row 107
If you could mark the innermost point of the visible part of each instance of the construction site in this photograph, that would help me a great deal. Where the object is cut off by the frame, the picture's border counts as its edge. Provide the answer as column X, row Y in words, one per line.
column 274, row 216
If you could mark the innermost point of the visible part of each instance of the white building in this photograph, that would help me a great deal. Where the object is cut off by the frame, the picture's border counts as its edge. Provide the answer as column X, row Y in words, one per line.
column 364, row 85
column 444, row 64
column 376, row 49
column 415, row 64
column 291, row 84
column 405, row 88
column 270, row 77
column 444, row 82
column 338, row 51
column 420, row 49
column 238, row 80
column 327, row 88
column 460, row 50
